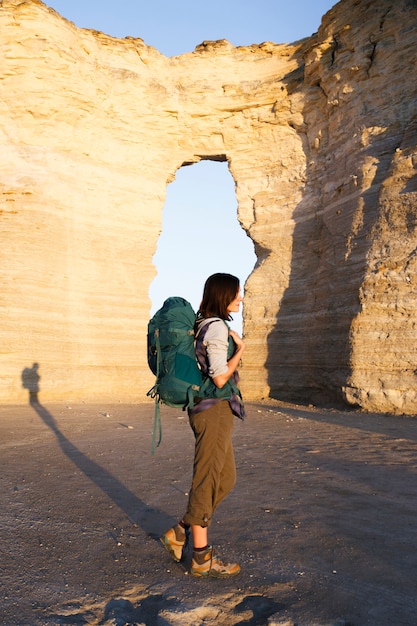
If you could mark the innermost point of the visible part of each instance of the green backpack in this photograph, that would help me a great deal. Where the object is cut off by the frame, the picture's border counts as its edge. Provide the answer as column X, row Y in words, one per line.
column 171, row 357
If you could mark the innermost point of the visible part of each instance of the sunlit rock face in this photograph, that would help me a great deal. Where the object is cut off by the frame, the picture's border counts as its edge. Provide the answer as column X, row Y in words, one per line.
column 320, row 138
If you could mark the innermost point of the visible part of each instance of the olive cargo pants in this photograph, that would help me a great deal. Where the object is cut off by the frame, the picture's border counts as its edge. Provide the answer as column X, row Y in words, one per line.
column 214, row 472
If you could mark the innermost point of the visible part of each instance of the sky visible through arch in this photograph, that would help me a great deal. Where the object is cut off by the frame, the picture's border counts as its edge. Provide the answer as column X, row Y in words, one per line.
column 203, row 192
column 200, row 235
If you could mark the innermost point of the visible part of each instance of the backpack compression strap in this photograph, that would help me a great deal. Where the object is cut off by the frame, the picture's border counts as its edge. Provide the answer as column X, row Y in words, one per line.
column 153, row 393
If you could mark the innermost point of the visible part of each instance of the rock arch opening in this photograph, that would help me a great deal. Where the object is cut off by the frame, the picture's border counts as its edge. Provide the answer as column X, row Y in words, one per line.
column 200, row 235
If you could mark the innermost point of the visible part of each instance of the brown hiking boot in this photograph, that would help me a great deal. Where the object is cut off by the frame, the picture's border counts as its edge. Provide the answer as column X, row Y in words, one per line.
column 208, row 564
column 175, row 541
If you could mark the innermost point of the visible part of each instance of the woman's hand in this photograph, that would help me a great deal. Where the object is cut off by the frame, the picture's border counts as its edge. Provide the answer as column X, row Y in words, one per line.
column 240, row 344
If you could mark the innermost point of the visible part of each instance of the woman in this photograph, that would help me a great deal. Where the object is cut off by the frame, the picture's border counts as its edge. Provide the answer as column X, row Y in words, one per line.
column 218, row 351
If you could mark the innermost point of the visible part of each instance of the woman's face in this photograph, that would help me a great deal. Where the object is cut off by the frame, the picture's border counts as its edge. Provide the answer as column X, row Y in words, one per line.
column 235, row 304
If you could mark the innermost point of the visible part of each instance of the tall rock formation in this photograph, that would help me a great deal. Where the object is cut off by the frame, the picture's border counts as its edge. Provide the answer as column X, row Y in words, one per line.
column 320, row 137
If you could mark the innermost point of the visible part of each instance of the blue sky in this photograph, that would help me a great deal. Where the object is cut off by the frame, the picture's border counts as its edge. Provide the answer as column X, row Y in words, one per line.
column 175, row 27
column 178, row 26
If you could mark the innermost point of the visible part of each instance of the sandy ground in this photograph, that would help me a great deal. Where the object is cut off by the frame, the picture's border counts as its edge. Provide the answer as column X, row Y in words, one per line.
column 323, row 519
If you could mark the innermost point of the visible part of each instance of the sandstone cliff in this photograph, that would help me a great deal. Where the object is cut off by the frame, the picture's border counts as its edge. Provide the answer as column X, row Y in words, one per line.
column 320, row 138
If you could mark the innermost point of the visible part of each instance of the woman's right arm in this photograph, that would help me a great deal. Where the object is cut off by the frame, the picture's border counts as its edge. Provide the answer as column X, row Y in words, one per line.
column 221, row 379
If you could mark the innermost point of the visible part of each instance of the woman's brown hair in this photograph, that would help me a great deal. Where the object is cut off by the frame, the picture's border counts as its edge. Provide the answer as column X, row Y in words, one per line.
column 219, row 291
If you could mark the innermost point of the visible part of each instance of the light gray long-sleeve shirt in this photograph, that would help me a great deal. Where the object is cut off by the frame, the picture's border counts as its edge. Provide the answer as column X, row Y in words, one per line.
column 216, row 341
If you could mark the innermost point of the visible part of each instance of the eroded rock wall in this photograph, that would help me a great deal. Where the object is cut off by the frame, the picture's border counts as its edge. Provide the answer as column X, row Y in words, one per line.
column 319, row 139
column 347, row 323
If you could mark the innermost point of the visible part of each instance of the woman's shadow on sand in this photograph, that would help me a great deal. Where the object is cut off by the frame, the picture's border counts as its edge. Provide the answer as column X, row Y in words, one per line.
column 149, row 519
